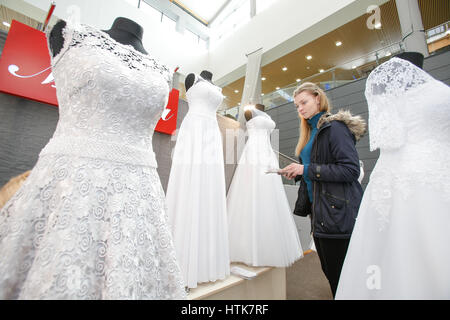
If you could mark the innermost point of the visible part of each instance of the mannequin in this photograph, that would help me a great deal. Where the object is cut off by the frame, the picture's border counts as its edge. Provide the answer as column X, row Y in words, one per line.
column 414, row 57
column 123, row 30
column 248, row 114
column 190, row 78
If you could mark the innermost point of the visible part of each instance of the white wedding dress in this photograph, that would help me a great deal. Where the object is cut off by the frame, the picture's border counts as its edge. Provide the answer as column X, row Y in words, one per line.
column 399, row 248
column 89, row 222
column 262, row 230
column 196, row 195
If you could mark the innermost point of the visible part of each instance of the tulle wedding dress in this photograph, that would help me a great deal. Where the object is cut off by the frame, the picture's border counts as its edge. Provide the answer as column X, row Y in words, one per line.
column 89, row 222
column 262, row 230
column 196, row 195
column 399, row 248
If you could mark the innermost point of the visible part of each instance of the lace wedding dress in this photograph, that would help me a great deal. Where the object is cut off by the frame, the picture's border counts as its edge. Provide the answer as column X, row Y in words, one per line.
column 90, row 222
column 262, row 230
column 399, row 246
column 196, row 192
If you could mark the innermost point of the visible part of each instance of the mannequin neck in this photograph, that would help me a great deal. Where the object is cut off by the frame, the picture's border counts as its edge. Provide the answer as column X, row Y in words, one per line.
column 127, row 32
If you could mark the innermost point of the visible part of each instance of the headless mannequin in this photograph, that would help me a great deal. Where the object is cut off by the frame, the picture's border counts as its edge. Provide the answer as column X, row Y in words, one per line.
column 414, row 57
column 248, row 114
column 123, row 30
column 190, row 78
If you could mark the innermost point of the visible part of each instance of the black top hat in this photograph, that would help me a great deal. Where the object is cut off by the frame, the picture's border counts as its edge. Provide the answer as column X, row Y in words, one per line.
column 413, row 57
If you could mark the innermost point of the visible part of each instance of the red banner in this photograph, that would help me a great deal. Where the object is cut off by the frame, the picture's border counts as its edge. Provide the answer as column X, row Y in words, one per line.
column 25, row 72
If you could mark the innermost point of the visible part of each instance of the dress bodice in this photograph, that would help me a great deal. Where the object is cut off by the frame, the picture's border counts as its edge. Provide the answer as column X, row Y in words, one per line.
column 409, row 121
column 407, row 108
column 204, row 97
column 109, row 95
column 261, row 124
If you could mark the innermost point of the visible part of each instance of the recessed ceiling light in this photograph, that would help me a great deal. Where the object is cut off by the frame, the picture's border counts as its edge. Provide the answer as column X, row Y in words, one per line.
column 321, row 70
column 378, row 25
column 236, row 91
column 309, row 57
column 388, row 54
column 6, row 24
column 298, row 80
column 354, row 67
column 284, row 69
column 338, row 43
column 263, row 78
column 262, row 94
column 278, row 88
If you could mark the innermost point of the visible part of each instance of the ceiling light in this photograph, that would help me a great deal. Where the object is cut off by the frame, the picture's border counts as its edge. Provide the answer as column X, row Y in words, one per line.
column 388, row 54
column 321, row 70
column 298, row 80
column 278, row 88
column 378, row 25
column 284, row 69
column 263, row 78
column 309, row 57
column 236, row 91
column 262, row 94
column 354, row 67
column 338, row 44
column 6, row 24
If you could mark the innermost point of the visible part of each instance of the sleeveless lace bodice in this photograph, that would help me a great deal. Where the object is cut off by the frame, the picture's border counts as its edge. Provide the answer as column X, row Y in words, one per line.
column 204, row 98
column 110, row 97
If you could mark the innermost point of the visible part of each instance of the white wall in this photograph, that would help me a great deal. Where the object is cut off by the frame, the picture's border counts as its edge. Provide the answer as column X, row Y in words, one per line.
column 280, row 29
column 167, row 46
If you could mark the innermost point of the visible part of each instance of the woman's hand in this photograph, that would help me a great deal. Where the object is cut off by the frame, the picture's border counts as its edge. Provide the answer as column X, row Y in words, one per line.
column 292, row 170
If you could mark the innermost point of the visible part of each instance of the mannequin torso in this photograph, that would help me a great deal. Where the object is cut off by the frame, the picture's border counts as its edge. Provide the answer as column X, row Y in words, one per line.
column 248, row 114
column 190, row 78
column 123, row 30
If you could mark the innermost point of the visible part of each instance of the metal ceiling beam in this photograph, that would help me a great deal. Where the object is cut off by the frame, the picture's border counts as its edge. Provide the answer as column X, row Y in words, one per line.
column 219, row 12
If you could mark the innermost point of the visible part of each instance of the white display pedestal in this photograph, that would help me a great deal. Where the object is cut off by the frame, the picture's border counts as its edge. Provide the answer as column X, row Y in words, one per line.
column 269, row 284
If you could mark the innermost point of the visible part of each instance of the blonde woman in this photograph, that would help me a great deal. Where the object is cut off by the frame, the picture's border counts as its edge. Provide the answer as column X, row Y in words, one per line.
column 329, row 164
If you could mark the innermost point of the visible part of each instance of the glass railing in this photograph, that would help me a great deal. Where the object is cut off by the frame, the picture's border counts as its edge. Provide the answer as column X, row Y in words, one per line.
column 328, row 79
column 439, row 32
column 345, row 73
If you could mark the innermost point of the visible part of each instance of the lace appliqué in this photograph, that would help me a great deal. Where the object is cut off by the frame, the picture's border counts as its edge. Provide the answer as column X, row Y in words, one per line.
column 409, row 121
column 86, row 229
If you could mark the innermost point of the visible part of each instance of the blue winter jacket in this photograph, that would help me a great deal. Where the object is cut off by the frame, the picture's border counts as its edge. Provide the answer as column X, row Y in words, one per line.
column 334, row 171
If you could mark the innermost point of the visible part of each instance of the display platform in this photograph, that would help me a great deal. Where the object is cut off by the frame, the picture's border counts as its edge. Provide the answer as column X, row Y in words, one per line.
column 269, row 284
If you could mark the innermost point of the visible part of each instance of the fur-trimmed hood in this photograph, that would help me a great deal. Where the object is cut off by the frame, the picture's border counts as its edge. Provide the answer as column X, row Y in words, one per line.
column 355, row 124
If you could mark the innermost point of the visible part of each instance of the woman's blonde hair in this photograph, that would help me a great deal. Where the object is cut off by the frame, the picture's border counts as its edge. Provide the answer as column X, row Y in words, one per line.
column 305, row 129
